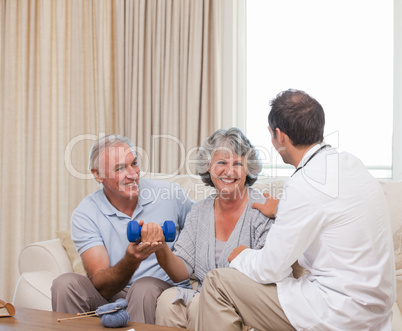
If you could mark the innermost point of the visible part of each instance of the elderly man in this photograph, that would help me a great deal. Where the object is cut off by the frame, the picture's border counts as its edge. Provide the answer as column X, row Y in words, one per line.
column 333, row 220
column 115, row 267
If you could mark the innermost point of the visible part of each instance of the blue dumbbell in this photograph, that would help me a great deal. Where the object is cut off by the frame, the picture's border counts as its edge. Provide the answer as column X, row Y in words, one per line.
column 134, row 231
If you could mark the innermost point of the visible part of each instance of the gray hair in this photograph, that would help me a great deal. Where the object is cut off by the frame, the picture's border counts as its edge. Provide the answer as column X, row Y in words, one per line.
column 234, row 140
column 102, row 144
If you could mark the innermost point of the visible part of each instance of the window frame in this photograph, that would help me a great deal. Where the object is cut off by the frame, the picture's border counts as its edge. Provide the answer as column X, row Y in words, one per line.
column 234, row 75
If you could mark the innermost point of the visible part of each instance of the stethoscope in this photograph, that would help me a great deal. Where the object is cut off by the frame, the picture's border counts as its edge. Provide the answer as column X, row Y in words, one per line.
column 309, row 159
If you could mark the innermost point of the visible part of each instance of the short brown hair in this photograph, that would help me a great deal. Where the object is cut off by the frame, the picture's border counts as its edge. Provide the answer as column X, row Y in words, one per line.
column 299, row 116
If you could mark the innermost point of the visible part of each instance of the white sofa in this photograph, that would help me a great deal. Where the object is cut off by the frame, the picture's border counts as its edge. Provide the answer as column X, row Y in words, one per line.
column 39, row 263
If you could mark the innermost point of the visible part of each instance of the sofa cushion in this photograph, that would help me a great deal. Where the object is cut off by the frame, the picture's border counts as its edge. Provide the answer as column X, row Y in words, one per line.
column 75, row 259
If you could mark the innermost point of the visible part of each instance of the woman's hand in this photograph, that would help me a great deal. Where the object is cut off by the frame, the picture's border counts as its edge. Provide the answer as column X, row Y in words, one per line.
column 236, row 251
column 152, row 233
column 268, row 209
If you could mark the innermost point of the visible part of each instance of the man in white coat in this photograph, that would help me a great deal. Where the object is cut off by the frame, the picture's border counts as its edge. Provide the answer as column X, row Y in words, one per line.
column 333, row 220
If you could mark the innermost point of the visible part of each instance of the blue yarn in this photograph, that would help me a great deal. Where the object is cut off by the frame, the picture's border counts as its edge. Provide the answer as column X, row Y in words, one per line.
column 120, row 303
column 117, row 319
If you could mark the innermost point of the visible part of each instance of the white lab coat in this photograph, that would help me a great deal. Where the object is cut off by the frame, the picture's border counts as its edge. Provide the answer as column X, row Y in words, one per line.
column 333, row 219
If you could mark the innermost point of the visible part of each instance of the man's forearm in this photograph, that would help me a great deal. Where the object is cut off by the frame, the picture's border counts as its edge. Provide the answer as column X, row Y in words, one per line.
column 112, row 280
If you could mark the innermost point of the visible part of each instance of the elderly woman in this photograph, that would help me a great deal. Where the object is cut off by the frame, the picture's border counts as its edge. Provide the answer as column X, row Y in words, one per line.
column 216, row 225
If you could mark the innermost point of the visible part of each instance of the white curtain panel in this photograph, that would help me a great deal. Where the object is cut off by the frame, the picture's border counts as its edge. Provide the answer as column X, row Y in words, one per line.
column 72, row 71
column 60, row 82
column 170, row 63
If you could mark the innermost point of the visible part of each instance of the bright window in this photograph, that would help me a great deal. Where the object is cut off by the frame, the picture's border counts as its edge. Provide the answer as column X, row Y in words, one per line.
column 341, row 53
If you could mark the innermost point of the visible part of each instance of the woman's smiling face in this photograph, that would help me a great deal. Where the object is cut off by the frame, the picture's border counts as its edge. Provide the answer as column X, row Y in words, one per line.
column 228, row 172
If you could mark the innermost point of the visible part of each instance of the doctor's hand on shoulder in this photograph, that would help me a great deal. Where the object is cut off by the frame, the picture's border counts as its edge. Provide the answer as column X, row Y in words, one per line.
column 268, row 208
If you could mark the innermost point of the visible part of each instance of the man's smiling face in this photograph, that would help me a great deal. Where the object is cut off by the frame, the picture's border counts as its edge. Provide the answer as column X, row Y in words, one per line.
column 119, row 172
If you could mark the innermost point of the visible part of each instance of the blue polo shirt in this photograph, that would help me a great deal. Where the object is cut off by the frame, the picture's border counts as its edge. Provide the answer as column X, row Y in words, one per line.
column 96, row 222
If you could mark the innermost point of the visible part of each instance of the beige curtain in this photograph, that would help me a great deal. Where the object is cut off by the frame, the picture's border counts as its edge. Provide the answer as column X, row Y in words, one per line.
column 170, row 82
column 61, row 85
column 74, row 70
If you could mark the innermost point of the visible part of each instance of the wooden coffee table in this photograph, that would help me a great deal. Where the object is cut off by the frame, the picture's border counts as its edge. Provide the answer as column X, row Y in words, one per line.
column 35, row 320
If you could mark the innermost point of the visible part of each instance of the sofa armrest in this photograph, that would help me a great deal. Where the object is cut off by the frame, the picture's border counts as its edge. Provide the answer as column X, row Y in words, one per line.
column 399, row 288
column 33, row 290
column 48, row 255
column 396, row 318
column 39, row 264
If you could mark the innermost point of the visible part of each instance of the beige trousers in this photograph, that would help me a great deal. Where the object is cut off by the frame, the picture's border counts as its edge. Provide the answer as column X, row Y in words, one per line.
column 230, row 299
column 176, row 314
